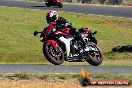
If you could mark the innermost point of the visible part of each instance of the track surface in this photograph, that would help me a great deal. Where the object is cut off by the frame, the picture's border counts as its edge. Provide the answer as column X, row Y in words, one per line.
column 75, row 69
column 62, row 69
column 88, row 9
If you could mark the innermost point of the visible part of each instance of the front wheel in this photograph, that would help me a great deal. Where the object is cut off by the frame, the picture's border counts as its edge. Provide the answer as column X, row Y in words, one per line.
column 55, row 56
column 95, row 56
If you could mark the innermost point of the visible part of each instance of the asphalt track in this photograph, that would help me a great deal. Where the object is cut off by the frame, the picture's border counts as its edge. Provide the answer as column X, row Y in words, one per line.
column 87, row 9
column 63, row 69
column 68, row 69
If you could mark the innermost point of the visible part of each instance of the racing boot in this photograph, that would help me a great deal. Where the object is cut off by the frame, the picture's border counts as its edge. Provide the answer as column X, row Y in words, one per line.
column 83, row 43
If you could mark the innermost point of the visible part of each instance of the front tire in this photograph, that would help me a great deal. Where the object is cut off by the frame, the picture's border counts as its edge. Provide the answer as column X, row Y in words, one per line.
column 54, row 56
column 95, row 58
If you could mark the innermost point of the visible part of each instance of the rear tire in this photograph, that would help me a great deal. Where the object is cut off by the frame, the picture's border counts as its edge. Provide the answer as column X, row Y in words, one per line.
column 55, row 57
column 47, row 4
column 60, row 5
column 95, row 58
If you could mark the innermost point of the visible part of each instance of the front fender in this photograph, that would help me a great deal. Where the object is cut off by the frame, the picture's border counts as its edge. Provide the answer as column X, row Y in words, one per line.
column 54, row 43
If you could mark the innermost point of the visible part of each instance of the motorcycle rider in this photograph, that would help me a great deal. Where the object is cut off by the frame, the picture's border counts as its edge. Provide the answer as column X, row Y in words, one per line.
column 59, row 23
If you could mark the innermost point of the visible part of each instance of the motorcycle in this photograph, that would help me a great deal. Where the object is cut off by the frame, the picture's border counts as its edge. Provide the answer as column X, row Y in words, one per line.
column 49, row 3
column 60, row 46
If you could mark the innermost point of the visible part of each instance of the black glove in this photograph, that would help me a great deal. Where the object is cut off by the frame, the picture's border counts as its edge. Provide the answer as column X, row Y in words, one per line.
column 68, row 24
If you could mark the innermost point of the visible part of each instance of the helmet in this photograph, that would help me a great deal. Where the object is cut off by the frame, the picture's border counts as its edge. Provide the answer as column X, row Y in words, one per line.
column 51, row 16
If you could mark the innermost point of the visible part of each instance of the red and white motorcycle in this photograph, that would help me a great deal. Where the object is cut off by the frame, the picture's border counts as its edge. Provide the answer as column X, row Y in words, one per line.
column 58, row 3
column 60, row 46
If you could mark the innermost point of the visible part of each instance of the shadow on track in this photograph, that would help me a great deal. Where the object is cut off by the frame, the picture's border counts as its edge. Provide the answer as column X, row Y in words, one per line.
column 38, row 6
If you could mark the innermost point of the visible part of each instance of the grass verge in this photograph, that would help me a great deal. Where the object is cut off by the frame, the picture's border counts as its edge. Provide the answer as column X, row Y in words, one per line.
column 18, row 45
column 25, row 76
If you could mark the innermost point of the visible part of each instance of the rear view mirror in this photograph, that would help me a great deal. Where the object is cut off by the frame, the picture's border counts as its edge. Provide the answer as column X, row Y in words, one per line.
column 35, row 33
column 95, row 32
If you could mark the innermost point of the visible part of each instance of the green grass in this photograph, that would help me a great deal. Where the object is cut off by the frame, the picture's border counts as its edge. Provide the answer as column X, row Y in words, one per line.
column 18, row 45
column 26, row 76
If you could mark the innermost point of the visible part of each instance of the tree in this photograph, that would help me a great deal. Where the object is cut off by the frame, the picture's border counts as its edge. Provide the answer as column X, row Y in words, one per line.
column 101, row 1
column 114, row 2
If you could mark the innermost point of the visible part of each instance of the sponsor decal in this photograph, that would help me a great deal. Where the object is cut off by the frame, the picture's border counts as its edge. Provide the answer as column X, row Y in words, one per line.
column 85, row 80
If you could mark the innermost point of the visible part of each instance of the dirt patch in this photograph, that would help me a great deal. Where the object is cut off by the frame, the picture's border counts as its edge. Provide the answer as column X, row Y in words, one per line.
column 48, row 84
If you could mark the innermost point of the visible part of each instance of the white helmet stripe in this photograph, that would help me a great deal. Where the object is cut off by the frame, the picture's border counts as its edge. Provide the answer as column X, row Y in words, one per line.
column 52, row 13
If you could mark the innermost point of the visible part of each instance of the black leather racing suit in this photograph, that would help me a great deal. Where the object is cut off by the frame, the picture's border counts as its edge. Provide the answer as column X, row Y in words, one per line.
column 63, row 22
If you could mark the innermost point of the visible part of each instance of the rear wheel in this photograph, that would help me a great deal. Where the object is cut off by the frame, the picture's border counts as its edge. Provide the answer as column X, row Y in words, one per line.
column 95, row 56
column 55, row 56
column 47, row 4
column 60, row 5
